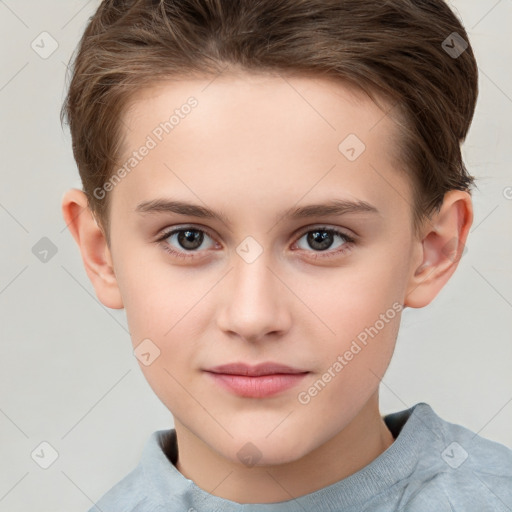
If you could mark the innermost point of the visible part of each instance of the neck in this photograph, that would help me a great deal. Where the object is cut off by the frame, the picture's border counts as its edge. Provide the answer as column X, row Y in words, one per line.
column 351, row 449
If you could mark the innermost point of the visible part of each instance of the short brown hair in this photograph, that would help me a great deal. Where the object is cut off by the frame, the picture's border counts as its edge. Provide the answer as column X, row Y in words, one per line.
column 394, row 49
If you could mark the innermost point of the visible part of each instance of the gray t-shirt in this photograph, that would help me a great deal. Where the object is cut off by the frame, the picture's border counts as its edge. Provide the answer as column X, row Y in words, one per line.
column 432, row 466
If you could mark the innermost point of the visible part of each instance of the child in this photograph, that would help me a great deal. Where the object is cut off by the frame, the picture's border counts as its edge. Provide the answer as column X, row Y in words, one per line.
column 266, row 186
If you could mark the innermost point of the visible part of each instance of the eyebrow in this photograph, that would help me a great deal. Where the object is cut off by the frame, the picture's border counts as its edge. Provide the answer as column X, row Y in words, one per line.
column 331, row 207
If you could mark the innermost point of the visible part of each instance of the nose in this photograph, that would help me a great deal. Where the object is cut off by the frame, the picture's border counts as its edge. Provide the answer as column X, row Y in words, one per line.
column 253, row 300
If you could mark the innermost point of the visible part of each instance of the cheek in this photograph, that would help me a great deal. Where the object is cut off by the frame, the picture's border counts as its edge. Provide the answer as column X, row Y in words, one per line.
column 158, row 298
column 164, row 314
column 351, row 368
column 359, row 312
column 345, row 301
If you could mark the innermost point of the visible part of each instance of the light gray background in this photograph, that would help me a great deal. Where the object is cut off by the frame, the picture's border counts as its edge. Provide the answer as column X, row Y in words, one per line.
column 68, row 376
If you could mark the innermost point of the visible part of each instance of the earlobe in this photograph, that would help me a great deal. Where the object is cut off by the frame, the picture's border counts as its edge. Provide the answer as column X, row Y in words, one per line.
column 442, row 247
column 93, row 247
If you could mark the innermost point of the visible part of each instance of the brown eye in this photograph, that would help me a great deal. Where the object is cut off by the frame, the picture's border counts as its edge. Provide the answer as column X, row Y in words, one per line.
column 322, row 239
column 190, row 239
column 186, row 239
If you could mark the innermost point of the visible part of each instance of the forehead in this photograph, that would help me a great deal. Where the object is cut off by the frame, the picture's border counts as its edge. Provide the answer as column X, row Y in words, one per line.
column 259, row 136
column 251, row 97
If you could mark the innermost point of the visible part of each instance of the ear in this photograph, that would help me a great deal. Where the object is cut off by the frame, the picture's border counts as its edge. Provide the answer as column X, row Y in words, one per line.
column 93, row 245
column 442, row 245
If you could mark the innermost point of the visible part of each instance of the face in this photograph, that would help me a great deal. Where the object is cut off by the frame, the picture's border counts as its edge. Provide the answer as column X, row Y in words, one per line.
column 318, row 291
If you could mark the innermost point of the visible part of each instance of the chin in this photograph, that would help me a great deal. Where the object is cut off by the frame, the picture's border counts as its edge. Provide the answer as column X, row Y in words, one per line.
column 257, row 449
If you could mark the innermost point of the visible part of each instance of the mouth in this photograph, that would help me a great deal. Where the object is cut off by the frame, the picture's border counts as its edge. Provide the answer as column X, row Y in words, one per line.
column 260, row 381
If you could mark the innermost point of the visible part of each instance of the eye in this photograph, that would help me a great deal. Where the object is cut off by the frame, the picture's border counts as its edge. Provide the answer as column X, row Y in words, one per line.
column 190, row 239
column 321, row 238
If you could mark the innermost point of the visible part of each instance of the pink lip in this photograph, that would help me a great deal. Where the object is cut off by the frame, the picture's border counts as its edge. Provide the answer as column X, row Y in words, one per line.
column 258, row 381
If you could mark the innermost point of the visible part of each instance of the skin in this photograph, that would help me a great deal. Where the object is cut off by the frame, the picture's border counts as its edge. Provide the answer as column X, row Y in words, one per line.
column 254, row 146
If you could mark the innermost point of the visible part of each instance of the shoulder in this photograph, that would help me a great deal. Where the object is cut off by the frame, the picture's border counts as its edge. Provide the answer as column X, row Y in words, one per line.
column 461, row 468
column 477, row 465
column 126, row 496
column 141, row 489
column 466, row 450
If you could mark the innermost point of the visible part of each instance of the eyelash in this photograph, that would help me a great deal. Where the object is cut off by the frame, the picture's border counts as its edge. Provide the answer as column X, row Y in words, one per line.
column 349, row 241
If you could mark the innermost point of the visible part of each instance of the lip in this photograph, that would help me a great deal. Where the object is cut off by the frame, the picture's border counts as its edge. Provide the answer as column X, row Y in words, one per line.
column 268, row 368
column 259, row 381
